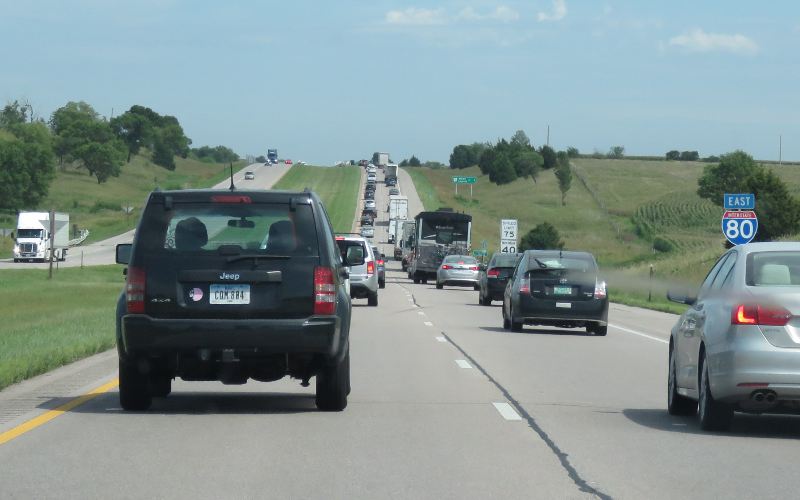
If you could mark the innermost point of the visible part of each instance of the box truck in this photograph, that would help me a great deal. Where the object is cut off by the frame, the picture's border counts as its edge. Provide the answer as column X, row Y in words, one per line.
column 398, row 207
column 33, row 239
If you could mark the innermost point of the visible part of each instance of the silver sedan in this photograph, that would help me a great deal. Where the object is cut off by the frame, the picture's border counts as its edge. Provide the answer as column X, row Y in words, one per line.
column 737, row 348
column 462, row 270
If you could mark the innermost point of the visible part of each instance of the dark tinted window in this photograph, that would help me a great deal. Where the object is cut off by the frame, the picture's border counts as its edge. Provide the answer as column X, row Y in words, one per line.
column 504, row 260
column 253, row 227
column 571, row 263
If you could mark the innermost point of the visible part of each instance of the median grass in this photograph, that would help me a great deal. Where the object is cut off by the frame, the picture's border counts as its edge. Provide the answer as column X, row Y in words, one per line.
column 51, row 322
column 337, row 187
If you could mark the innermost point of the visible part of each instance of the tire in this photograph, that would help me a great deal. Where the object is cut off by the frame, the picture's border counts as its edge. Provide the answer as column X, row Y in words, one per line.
column 424, row 281
column 160, row 386
column 382, row 284
column 416, row 280
column 439, row 286
column 134, row 391
column 677, row 404
column 332, row 386
column 506, row 322
column 372, row 299
column 516, row 326
column 16, row 260
column 476, row 287
column 484, row 301
column 599, row 331
column 713, row 415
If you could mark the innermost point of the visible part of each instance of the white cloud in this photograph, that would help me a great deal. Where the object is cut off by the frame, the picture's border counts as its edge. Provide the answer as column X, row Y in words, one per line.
column 502, row 13
column 559, row 12
column 414, row 16
column 698, row 40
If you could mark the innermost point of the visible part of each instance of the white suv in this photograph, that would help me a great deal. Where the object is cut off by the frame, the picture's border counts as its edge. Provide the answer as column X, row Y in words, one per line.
column 363, row 277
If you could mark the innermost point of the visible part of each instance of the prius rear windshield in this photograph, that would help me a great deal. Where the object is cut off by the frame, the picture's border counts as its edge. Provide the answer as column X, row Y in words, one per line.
column 260, row 228
column 556, row 264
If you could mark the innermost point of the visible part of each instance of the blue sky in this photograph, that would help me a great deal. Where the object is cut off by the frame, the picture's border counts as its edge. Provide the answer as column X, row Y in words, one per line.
column 328, row 81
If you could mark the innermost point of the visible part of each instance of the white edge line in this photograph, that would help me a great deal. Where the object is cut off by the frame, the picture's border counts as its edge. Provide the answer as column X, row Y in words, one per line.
column 639, row 334
column 428, row 323
column 463, row 363
column 441, row 339
column 507, row 411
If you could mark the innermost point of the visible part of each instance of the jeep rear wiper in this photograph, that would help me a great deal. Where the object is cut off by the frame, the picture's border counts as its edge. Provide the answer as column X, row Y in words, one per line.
column 258, row 256
column 541, row 264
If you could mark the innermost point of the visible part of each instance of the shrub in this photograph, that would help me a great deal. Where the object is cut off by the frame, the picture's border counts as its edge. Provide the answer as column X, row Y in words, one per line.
column 663, row 245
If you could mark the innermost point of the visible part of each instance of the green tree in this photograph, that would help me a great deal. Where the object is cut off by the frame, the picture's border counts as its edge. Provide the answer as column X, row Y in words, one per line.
column 487, row 160
column 616, row 152
column 673, row 154
column 778, row 210
column 573, row 152
column 542, row 237
column 564, row 174
column 689, row 156
column 27, row 166
column 476, row 149
column 549, row 156
column 521, row 139
column 414, row 161
column 13, row 113
column 163, row 154
column 73, row 125
column 528, row 164
column 102, row 159
column 460, row 157
column 134, row 129
column 502, row 171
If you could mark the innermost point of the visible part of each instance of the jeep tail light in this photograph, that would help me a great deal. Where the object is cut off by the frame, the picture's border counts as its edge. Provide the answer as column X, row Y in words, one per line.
column 600, row 290
column 493, row 273
column 752, row 314
column 371, row 267
column 445, row 266
column 324, row 291
column 134, row 290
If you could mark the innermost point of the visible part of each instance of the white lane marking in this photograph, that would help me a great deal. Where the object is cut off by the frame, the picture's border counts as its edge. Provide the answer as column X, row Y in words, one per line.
column 507, row 411
column 441, row 339
column 639, row 334
column 428, row 323
column 463, row 363
column 421, row 313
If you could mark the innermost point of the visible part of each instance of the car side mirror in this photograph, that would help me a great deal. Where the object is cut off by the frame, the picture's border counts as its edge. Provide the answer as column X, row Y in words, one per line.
column 681, row 297
column 124, row 253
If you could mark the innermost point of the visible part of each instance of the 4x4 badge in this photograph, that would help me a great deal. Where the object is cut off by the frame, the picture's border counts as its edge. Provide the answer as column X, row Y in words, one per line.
column 196, row 294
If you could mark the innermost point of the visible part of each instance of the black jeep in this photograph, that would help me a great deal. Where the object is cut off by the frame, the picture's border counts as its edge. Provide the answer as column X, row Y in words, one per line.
column 232, row 285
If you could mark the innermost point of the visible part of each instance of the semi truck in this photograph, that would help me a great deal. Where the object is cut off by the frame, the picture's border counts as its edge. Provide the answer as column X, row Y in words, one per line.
column 272, row 156
column 390, row 174
column 437, row 234
column 32, row 239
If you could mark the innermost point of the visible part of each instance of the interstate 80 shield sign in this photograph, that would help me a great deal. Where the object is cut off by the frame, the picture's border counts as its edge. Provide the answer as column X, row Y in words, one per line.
column 739, row 226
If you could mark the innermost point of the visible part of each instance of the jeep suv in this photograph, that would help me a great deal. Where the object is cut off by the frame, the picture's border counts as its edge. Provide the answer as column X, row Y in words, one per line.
column 233, row 285
column 363, row 277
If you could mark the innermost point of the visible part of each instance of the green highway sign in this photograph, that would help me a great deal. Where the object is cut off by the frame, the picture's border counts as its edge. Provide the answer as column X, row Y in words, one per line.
column 480, row 253
column 464, row 180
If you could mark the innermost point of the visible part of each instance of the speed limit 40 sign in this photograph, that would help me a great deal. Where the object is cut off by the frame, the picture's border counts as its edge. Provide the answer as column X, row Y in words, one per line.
column 739, row 226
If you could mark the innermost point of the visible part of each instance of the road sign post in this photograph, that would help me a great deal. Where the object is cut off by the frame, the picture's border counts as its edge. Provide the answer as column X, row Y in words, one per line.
column 739, row 222
column 508, row 236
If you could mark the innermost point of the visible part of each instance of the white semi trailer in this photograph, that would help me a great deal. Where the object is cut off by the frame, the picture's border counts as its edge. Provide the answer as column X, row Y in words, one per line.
column 33, row 239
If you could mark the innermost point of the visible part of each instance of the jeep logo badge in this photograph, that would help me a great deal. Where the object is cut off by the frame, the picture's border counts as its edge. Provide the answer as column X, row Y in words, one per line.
column 226, row 276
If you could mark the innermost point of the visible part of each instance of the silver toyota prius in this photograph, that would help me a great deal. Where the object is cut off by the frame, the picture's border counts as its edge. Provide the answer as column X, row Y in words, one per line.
column 737, row 348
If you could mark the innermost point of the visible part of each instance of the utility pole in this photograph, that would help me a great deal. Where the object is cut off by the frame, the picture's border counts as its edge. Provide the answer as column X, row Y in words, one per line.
column 52, row 240
column 780, row 149
column 548, row 135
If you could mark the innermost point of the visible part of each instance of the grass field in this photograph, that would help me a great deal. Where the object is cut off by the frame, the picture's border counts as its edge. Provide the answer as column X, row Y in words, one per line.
column 337, row 187
column 48, row 323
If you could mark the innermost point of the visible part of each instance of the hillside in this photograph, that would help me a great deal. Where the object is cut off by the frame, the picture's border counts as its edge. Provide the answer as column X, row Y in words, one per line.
column 601, row 215
column 99, row 207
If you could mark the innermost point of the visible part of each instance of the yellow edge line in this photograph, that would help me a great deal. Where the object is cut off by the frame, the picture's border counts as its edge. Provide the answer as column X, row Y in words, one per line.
column 51, row 414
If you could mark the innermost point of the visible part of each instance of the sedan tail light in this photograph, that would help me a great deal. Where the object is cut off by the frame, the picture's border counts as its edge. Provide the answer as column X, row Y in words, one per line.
column 600, row 290
column 134, row 290
column 324, row 291
column 756, row 314
column 493, row 273
column 380, row 262
column 371, row 267
column 446, row 266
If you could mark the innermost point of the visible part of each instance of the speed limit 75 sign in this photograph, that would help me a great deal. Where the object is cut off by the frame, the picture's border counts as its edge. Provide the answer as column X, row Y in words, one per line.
column 508, row 236
column 739, row 226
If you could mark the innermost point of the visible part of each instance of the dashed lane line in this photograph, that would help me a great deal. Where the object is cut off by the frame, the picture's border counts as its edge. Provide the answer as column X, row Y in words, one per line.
column 645, row 335
column 507, row 411
column 463, row 363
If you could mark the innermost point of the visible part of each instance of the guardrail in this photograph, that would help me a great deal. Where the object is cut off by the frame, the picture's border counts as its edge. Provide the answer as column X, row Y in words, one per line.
column 80, row 239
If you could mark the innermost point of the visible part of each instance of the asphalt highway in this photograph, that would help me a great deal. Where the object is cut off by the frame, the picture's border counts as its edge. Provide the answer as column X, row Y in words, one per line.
column 445, row 404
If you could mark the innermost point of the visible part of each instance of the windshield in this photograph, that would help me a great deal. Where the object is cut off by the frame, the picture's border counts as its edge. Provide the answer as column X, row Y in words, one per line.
column 29, row 233
column 504, row 260
column 444, row 233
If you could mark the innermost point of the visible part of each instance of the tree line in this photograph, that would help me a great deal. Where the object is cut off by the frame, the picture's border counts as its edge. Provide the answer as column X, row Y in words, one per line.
column 76, row 136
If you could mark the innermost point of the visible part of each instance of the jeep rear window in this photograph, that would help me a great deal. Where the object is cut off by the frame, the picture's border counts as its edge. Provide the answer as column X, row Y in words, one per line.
column 255, row 227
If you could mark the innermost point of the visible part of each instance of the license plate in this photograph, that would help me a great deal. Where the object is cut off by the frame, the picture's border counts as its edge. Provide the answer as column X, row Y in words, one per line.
column 564, row 305
column 562, row 290
column 229, row 294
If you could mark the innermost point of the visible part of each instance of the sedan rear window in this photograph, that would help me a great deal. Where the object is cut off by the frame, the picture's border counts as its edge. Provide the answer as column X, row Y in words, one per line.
column 460, row 259
column 773, row 269
column 504, row 260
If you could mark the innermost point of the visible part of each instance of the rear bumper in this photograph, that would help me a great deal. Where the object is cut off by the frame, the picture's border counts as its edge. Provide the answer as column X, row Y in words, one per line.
column 534, row 311
column 144, row 335
column 495, row 288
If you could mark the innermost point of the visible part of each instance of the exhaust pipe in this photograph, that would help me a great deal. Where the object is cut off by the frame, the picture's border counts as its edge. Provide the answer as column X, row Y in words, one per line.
column 764, row 396
column 771, row 397
column 758, row 397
